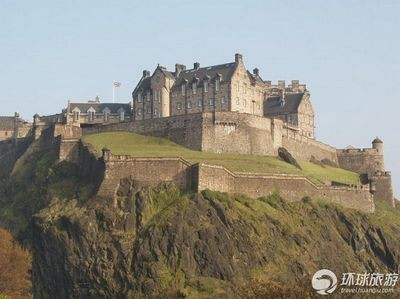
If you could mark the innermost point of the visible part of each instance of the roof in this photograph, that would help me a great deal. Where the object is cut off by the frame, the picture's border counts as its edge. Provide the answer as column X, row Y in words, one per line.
column 377, row 140
column 6, row 122
column 274, row 106
column 99, row 107
column 224, row 70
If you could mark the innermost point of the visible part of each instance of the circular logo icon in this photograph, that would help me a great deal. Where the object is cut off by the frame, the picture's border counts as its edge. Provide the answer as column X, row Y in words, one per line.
column 324, row 282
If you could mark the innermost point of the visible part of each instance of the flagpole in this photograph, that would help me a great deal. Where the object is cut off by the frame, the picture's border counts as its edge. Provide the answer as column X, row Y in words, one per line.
column 113, row 92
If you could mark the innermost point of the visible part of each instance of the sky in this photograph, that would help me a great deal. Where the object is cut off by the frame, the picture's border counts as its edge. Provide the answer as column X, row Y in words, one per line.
column 347, row 52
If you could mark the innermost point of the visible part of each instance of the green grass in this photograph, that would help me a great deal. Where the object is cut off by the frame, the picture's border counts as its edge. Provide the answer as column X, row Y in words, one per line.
column 125, row 143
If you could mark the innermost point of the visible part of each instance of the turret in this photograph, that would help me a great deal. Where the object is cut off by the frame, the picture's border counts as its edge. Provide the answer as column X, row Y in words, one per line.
column 378, row 145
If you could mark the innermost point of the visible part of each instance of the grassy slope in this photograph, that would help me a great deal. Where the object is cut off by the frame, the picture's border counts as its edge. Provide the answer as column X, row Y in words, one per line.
column 136, row 145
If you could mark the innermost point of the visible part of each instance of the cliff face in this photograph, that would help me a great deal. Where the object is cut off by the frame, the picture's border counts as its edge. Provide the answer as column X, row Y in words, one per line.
column 156, row 241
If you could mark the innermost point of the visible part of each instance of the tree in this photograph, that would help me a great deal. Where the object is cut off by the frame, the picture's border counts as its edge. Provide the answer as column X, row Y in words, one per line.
column 15, row 264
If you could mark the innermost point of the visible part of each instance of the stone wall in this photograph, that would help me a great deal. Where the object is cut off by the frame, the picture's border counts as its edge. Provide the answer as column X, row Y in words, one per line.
column 290, row 187
column 149, row 171
column 213, row 132
column 367, row 160
column 10, row 151
column 381, row 183
column 303, row 148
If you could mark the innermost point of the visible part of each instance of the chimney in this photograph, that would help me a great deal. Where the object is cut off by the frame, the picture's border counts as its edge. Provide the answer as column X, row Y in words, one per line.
column 146, row 73
column 295, row 84
column 179, row 68
column 238, row 58
column 97, row 99
column 281, row 84
column 256, row 72
column 196, row 65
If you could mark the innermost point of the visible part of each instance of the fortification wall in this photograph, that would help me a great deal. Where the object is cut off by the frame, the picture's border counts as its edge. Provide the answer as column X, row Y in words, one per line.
column 292, row 188
column 303, row 148
column 213, row 132
column 239, row 133
column 149, row 171
column 381, row 183
column 367, row 160
column 185, row 130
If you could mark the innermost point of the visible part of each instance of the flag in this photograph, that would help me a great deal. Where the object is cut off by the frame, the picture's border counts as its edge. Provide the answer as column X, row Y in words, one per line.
column 117, row 84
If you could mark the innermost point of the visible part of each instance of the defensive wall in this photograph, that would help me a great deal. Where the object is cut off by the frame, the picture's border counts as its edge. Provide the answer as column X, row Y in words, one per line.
column 366, row 160
column 225, row 132
column 10, row 151
column 151, row 171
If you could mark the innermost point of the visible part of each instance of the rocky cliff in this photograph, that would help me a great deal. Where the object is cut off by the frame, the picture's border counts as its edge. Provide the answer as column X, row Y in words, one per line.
column 151, row 242
column 157, row 242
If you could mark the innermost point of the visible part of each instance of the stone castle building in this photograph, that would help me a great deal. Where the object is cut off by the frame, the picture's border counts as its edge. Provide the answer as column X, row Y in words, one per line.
column 221, row 109
column 14, row 127
column 94, row 112
column 228, row 87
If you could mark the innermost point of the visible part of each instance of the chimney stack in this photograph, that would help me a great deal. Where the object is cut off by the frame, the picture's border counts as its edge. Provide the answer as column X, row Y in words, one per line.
column 295, row 84
column 238, row 58
column 146, row 73
column 256, row 72
column 179, row 68
column 281, row 84
column 196, row 65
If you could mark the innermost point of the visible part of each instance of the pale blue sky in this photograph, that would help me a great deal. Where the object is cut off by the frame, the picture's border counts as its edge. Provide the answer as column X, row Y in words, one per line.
column 347, row 52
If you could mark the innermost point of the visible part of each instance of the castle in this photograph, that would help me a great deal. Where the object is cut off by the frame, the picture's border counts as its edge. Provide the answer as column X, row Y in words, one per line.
column 223, row 108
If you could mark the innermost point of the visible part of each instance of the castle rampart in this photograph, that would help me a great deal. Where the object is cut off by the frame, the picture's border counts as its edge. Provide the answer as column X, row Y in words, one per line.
column 199, row 177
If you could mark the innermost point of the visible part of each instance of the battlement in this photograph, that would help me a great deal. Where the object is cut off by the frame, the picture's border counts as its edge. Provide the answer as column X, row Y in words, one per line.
column 201, row 176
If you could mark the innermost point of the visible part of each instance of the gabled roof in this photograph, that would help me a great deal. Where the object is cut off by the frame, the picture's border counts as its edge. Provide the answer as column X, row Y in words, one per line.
column 224, row 70
column 274, row 106
column 99, row 107
column 6, row 122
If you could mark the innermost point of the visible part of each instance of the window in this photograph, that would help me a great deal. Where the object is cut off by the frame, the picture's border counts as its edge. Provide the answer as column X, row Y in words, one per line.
column 211, row 102
column 155, row 112
column 217, row 85
column 179, row 106
column 244, row 103
column 139, row 97
column 205, row 86
column 139, row 111
column 223, row 100
column 200, row 103
column 148, row 110
column 194, row 87
column 183, row 89
column 122, row 116
column 148, row 96
column 91, row 115
column 237, row 101
column 238, row 87
column 189, row 105
column 76, row 115
column 106, row 116
column 158, row 96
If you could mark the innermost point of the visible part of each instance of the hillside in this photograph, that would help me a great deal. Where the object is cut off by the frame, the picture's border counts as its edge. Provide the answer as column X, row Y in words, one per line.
column 124, row 143
column 159, row 242
column 156, row 242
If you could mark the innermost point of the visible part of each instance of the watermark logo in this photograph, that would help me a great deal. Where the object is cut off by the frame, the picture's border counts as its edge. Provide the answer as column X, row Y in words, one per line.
column 324, row 282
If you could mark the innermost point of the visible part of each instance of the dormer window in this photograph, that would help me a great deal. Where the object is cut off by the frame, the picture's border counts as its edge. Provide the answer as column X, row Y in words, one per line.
column 194, row 87
column 205, row 86
column 183, row 89
column 121, row 112
column 106, row 113
column 91, row 113
column 76, row 115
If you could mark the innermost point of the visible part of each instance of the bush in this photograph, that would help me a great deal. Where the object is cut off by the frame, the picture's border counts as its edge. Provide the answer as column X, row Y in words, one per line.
column 15, row 263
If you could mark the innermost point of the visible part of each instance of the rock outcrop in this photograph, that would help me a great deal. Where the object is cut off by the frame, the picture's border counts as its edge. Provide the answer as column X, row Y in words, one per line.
column 148, row 242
